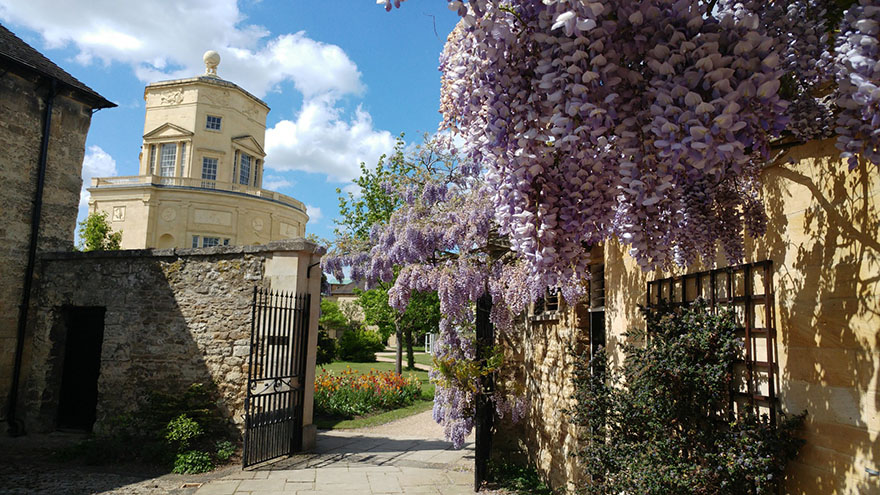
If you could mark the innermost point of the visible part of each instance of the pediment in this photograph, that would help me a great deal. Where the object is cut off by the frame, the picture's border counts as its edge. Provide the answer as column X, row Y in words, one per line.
column 249, row 143
column 168, row 130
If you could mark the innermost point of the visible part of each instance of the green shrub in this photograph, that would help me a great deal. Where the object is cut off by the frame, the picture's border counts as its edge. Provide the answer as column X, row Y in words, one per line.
column 663, row 425
column 182, row 430
column 225, row 449
column 359, row 345
column 193, row 462
column 351, row 393
column 326, row 348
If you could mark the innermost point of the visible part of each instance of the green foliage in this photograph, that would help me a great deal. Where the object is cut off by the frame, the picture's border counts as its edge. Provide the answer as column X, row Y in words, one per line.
column 182, row 430
column 225, row 449
column 517, row 480
column 359, row 345
column 326, row 348
column 97, row 235
column 332, row 318
column 358, row 213
column 422, row 315
column 163, row 426
column 663, row 425
column 193, row 462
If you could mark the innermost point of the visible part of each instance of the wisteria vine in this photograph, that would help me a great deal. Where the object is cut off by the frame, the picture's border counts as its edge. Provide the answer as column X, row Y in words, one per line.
column 646, row 121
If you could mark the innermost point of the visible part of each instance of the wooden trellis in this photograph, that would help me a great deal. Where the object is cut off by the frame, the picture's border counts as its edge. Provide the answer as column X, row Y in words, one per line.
column 748, row 289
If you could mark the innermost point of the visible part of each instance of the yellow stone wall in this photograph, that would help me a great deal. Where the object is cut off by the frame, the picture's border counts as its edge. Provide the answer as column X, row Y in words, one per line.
column 824, row 240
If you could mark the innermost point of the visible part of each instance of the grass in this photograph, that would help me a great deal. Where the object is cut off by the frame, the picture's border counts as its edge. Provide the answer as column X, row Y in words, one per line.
column 326, row 423
column 424, row 404
column 420, row 357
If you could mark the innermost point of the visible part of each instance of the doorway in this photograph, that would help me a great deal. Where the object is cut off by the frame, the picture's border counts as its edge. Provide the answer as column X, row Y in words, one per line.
column 78, row 399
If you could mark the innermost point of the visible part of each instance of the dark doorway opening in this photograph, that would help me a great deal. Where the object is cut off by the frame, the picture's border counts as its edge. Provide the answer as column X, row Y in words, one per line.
column 83, row 336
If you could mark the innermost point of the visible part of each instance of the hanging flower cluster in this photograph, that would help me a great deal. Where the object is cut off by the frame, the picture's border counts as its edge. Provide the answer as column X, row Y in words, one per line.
column 649, row 120
column 857, row 62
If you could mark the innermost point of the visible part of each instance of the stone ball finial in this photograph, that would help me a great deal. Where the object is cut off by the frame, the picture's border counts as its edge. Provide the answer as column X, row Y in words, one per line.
column 212, row 60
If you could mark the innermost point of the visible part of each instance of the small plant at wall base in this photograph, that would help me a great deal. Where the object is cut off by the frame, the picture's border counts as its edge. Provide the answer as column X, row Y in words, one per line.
column 97, row 235
column 184, row 431
column 662, row 423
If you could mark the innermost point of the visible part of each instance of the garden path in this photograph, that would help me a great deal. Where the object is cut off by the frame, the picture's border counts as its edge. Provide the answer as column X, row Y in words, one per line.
column 402, row 457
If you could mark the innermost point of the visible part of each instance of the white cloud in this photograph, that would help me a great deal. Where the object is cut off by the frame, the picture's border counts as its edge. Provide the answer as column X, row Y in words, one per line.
column 314, row 214
column 97, row 163
column 163, row 39
column 322, row 141
column 353, row 189
column 275, row 182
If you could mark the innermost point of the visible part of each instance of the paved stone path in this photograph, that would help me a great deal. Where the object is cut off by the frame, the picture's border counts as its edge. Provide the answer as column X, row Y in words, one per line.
column 365, row 462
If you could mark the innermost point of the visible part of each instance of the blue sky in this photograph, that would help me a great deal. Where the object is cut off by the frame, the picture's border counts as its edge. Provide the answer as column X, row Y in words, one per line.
column 342, row 77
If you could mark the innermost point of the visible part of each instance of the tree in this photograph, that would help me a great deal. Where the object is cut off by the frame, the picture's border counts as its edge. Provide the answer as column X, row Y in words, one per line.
column 97, row 235
column 421, row 316
column 332, row 318
column 373, row 207
column 442, row 239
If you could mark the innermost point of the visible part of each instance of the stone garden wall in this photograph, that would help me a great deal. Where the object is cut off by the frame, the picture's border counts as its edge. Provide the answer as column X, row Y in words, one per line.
column 173, row 318
column 541, row 352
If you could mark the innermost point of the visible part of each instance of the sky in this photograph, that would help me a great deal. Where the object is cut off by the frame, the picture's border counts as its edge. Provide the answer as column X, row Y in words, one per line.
column 343, row 78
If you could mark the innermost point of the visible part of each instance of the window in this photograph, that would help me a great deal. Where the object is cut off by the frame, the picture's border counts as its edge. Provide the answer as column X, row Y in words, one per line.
column 547, row 306
column 152, row 159
column 209, row 172
column 213, row 123
column 167, row 159
column 182, row 158
column 244, row 169
column 209, row 241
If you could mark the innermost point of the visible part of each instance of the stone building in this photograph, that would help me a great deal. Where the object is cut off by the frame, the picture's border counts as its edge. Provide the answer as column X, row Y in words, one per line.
column 814, row 278
column 45, row 115
column 201, row 171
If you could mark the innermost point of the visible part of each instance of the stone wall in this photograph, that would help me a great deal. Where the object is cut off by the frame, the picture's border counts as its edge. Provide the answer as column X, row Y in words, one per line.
column 541, row 354
column 22, row 105
column 172, row 318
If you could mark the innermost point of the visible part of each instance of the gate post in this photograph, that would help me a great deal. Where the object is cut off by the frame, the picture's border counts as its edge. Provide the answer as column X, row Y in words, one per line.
column 485, row 409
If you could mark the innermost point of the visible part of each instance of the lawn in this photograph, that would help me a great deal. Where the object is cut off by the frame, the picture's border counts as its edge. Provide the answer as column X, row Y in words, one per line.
column 420, row 357
column 380, row 417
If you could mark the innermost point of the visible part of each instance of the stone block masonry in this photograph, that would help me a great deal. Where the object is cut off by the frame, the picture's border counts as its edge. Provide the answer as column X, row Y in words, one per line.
column 22, row 105
column 171, row 318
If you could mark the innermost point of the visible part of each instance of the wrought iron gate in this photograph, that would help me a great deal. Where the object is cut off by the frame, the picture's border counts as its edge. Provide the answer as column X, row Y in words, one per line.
column 748, row 290
column 276, row 375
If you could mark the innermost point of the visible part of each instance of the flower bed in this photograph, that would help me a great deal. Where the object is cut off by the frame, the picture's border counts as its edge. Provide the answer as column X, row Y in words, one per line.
column 350, row 393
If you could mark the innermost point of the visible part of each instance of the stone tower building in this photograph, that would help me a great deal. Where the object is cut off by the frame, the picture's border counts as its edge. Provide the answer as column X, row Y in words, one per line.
column 201, row 171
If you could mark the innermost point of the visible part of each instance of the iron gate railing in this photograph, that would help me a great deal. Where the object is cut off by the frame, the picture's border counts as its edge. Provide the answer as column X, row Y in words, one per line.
column 276, row 375
column 748, row 289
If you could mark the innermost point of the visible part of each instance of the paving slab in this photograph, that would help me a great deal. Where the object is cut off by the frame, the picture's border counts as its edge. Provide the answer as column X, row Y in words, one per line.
column 363, row 462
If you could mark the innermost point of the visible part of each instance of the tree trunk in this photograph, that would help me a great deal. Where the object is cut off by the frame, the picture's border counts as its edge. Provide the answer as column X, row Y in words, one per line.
column 398, row 363
column 410, row 358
